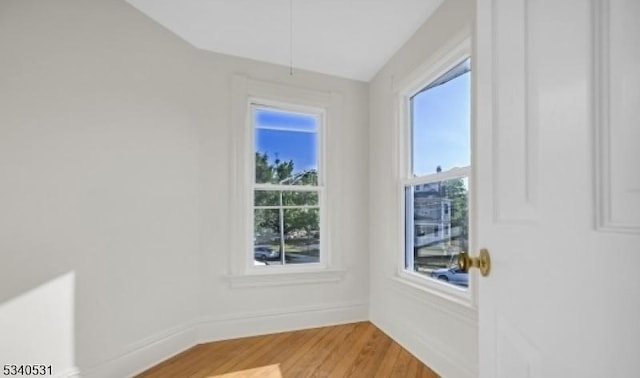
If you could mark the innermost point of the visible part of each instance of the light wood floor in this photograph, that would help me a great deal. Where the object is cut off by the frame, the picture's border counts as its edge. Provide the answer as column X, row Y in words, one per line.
column 350, row 350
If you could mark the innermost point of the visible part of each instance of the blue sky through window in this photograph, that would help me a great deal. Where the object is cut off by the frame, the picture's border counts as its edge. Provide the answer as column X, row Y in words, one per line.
column 287, row 136
column 441, row 126
column 274, row 119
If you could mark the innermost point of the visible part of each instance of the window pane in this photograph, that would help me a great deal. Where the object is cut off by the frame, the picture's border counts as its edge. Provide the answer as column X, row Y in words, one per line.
column 301, row 242
column 300, row 198
column 440, row 123
column 286, row 147
column 439, row 229
column 302, row 236
column 266, row 235
column 266, row 198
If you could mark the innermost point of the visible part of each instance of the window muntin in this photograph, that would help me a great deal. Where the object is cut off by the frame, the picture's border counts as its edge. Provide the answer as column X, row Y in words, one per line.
column 436, row 187
column 288, row 186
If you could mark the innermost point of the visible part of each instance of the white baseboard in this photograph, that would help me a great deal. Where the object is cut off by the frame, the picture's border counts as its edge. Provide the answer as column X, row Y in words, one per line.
column 157, row 348
column 146, row 353
column 281, row 320
column 431, row 354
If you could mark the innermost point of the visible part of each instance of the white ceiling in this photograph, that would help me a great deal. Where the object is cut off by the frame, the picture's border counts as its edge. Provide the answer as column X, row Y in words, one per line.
column 347, row 38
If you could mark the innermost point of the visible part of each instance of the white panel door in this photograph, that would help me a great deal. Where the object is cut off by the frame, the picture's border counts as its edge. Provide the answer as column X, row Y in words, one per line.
column 558, row 187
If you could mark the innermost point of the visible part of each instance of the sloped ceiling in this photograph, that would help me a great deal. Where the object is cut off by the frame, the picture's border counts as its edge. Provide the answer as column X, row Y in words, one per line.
column 346, row 38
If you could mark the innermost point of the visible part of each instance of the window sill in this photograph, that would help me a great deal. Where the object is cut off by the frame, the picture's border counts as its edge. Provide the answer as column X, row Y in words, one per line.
column 286, row 278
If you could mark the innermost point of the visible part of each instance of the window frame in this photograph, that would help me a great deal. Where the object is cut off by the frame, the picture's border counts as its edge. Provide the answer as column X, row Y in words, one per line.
column 242, row 271
column 443, row 60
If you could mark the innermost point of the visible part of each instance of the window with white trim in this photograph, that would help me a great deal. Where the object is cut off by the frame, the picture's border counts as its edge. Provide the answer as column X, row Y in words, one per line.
column 280, row 186
column 436, row 174
column 287, row 184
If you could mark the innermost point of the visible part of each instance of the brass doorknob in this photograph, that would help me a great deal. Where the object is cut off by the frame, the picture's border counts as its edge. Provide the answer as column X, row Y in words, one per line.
column 482, row 262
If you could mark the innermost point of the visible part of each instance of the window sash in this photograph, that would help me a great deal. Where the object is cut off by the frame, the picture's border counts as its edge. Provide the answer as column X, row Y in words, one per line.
column 321, row 256
column 406, row 262
column 405, row 88
column 256, row 105
column 318, row 188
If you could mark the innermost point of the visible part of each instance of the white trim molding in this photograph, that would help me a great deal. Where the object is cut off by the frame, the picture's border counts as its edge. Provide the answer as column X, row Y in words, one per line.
column 286, row 278
column 244, row 93
column 254, row 323
column 146, row 353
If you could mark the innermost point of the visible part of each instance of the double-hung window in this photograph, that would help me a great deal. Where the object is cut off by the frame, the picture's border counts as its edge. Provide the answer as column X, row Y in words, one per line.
column 435, row 178
column 288, row 184
column 283, row 188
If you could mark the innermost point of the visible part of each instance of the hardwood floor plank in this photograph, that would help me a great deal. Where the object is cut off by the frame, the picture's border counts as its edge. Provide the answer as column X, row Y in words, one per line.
column 198, row 356
column 187, row 356
column 265, row 356
column 328, row 349
column 236, row 360
column 307, row 366
column 329, row 364
column 426, row 372
column 293, row 348
column 343, row 367
column 401, row 366
column 204, row 354
column 295, row 365
column 412, row 368
column 349, row 350
column 370, row 357
column 271, row 371
column 386, row 366
column 208, row 353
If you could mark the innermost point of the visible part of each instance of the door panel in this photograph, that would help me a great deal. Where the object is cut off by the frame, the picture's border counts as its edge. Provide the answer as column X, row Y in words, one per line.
column 514, row 192
column 618, row 95
column 556, row 181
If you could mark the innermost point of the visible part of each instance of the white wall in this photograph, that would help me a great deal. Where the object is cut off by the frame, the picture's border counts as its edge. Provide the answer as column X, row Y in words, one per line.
column 99, row 162
column 114, row 165
column 441, row 333
column 228, row 312
column 37, row 328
